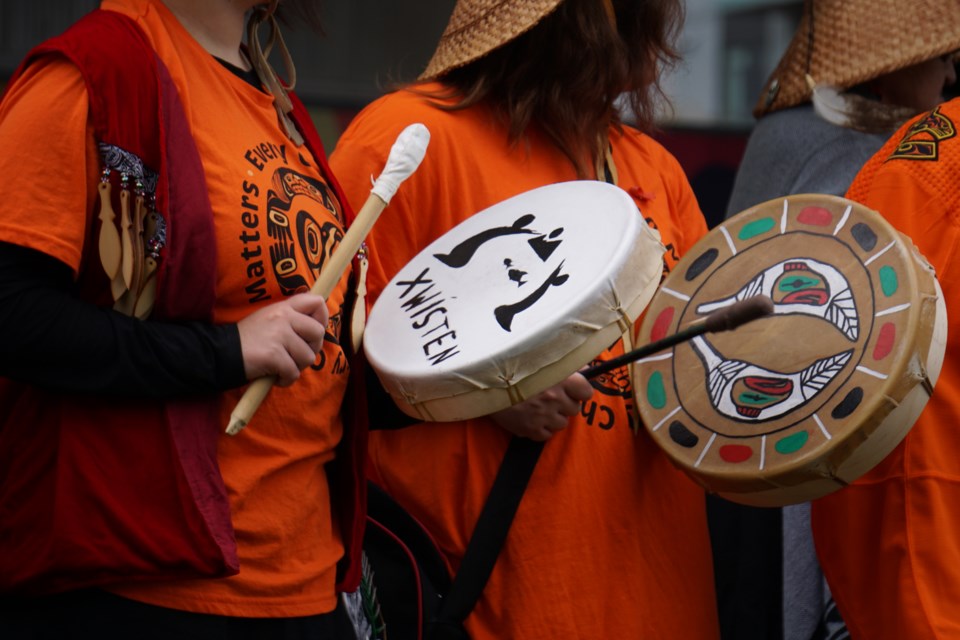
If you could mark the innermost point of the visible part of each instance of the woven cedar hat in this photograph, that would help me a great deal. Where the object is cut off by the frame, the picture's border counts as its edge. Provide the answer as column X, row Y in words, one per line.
column 477, row 27
column 854, row 41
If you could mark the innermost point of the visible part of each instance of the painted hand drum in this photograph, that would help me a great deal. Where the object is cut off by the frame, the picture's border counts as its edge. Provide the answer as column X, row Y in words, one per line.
column 802, row 402
column 513, row 300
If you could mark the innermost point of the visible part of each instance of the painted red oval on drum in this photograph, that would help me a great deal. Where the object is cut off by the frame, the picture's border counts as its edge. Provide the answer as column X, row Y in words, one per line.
column 815, row 216
column 662, row 324
column 888, row 335
column 735, row 453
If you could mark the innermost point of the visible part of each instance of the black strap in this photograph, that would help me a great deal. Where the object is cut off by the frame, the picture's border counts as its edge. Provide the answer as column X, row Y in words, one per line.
column 490, row 533
column 492, row 527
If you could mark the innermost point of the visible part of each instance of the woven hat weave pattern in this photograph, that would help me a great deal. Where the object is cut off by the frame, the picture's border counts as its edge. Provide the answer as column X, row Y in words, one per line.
column 477, row 27
column 858, row 40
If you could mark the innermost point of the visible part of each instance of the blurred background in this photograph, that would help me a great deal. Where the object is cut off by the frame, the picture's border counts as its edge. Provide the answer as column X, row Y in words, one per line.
column 729, row 46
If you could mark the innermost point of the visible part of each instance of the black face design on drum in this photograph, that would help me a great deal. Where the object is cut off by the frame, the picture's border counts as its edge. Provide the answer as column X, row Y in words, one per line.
column 515, row 275
column 543, row 246
column 506, row 313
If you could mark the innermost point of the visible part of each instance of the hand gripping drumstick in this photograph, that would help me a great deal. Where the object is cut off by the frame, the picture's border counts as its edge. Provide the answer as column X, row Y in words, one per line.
column 404, row 158
column 725, row 319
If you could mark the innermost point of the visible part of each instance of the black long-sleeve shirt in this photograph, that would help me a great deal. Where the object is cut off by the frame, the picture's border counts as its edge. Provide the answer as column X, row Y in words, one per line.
column 51, row 338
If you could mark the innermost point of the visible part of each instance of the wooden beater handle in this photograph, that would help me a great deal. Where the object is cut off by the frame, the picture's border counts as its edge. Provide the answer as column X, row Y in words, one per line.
column 405, row 156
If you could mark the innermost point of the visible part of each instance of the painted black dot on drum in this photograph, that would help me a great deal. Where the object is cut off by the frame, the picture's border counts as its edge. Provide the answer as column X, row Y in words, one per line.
column 703, row 261
column 682, row 436
column 864, row 236
column 848, row 405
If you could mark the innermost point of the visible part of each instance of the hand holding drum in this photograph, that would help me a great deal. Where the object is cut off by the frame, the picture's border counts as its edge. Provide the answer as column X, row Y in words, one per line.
column 405, row 156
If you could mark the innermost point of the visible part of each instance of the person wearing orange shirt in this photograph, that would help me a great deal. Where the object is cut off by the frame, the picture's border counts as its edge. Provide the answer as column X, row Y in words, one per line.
column 610, row 539
column 889, row 543
column 853, row 73
column 167, row 205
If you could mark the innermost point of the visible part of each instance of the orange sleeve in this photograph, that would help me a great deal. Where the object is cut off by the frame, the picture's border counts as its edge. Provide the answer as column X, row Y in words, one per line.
column 50, row 164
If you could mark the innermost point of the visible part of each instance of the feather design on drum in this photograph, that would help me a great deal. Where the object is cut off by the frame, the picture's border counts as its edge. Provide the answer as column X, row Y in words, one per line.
column 745, row 391
column 803, row 286
column 791, row 409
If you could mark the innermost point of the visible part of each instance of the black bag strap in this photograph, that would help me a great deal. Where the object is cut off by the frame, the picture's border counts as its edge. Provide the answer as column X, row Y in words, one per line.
column 496, row 517
column 488, row 536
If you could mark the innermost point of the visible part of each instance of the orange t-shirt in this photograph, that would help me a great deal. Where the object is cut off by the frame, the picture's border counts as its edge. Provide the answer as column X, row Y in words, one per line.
column 276, row 220
column 889, row 544
column 610, row 540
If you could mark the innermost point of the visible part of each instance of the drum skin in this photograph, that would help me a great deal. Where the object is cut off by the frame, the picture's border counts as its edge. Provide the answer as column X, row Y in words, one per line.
column 795, row 405
column 513, row 300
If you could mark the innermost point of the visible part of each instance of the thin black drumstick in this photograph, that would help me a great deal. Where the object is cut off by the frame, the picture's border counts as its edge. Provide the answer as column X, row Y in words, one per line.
column 725, row 319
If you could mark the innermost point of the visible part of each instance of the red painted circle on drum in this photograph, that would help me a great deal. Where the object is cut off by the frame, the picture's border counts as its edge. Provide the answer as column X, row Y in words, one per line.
column 815, row 216
column 662, row 324
column 735, row 453
column 885, row 341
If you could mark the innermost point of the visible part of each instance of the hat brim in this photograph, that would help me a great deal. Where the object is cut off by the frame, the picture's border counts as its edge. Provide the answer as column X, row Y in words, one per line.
column 855, row 41
column 478, row 27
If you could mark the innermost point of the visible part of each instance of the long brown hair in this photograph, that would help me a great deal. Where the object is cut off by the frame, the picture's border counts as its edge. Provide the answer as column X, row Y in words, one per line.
column 565, row 75
column 307, row 12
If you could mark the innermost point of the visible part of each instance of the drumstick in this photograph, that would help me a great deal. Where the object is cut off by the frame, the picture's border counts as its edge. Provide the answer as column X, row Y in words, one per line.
column 725, row 319
column 405, row 156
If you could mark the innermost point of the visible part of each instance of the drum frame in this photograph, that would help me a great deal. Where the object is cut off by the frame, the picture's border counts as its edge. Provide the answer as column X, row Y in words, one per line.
column 771, row 479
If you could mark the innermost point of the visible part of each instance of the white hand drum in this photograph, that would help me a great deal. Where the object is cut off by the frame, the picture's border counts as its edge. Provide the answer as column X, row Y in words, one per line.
column 804, row 401
column 513, row 300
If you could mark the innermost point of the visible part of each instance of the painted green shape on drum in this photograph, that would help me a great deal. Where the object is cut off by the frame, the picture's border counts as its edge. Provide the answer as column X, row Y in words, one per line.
column 792, row 443
column 798, row 283
column 754, row 397
column 889, row 283
column 756, row 228
column 656, row 393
